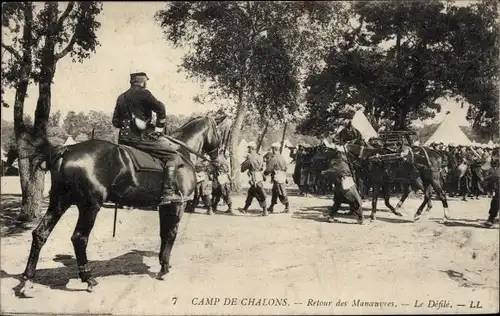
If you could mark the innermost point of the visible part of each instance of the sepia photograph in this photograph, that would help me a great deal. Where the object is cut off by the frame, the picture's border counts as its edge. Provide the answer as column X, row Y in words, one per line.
column 250, row 157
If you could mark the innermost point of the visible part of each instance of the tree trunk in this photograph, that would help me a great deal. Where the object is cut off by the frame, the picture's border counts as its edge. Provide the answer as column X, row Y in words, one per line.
column 401, row 106
column 233, row 141
column 31, row 185
column 261, row 138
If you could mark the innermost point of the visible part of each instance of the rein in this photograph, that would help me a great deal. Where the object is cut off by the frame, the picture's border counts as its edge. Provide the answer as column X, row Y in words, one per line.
column 189, row 149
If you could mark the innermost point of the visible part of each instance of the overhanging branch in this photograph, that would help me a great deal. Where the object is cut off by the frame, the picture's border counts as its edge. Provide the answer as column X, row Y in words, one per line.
column 11, row 50
column 65, row 14
column 67, row 49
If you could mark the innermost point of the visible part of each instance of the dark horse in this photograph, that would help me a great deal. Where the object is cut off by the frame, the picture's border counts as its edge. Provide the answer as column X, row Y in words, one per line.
column 420, row 163
column 89, row 173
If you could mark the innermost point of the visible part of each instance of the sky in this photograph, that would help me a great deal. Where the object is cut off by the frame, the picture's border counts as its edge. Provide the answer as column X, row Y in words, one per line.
column 132, row 41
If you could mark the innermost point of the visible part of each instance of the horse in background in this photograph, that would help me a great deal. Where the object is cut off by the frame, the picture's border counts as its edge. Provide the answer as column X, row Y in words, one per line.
column 418, row 162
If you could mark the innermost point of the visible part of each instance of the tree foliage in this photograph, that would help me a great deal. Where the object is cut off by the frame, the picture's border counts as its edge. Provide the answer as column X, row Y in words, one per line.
column 401, row 58
column 474, row 63
column 251, row 52
column 36, row 36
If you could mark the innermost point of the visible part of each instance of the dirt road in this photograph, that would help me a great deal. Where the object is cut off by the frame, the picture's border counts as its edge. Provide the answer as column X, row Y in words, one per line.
column 284, row 263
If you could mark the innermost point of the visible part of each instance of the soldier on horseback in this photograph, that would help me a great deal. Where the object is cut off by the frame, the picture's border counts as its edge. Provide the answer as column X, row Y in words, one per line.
column 133, row 115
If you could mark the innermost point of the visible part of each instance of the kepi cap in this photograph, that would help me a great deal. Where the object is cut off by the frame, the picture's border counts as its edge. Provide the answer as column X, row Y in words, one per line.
column 138, row 74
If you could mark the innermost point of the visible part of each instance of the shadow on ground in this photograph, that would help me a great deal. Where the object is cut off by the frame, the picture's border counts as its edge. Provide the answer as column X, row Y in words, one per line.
column 455, row 222
column 58, row 278
column 10, row 209
column 319, row 213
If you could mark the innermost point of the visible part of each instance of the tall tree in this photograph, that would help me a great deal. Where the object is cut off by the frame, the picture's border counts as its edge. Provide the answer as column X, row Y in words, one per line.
column 393, row 63
column 249, row 50
column 474, row 63
column 40, row 36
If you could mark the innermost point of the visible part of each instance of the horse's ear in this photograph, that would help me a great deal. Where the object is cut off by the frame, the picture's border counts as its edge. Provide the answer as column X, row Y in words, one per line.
column 220, row 119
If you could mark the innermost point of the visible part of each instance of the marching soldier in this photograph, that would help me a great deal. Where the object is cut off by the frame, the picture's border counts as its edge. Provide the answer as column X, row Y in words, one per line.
column 133, row 115
column 253, row 166
column 276, row 167
column 221, row 184
column 495, row 201
column 202, row 189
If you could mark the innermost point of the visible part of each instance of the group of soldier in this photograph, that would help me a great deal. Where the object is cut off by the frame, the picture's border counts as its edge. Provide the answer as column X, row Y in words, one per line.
column 214, row 182
column 466, row 168
column 463, row 170
column 467, row 171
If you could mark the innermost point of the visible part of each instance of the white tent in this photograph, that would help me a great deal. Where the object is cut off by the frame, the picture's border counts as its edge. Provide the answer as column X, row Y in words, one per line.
column 286, row 151
column 242, row 149
column 448, row 132
column 361, row 123
column 69, row 141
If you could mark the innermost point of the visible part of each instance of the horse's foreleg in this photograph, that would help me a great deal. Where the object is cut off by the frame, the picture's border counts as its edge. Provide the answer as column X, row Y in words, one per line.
column 58, row 205
column 387, row 197
column 86, row 220
column 170, row 216
column 406, row 192
column 427, row 196
column 375, row 189
column 442, row 196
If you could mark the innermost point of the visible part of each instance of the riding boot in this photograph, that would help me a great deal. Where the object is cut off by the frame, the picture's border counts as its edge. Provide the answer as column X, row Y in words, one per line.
column 168, row 194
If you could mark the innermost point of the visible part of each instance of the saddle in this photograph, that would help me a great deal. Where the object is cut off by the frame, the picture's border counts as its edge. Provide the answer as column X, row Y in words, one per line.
column 143, row 161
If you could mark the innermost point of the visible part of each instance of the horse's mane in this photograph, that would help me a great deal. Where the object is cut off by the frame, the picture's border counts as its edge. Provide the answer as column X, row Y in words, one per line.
column 187, row 123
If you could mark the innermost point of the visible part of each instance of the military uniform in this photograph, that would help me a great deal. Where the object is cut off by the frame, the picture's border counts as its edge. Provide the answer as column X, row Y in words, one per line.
column 298, row 158
column 133, row 113
column 276, row 167
column 345, row 190
column 253, row 165
column 202, row 189
column 495, row 201
column 221, row 184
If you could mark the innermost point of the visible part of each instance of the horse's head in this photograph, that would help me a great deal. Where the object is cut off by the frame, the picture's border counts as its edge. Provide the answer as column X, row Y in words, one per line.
column 201, row 134
column 347, row 134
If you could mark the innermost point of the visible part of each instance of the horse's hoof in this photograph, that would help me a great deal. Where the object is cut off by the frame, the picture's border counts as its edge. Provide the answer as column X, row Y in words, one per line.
column 397, row 213
column 210, row 212
column 91, row 284
column 360, row 222
column 26, row 287
column 330, row 219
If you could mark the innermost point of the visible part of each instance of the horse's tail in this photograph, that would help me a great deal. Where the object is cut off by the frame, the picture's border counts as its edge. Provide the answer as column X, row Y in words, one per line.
column 42, row 150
